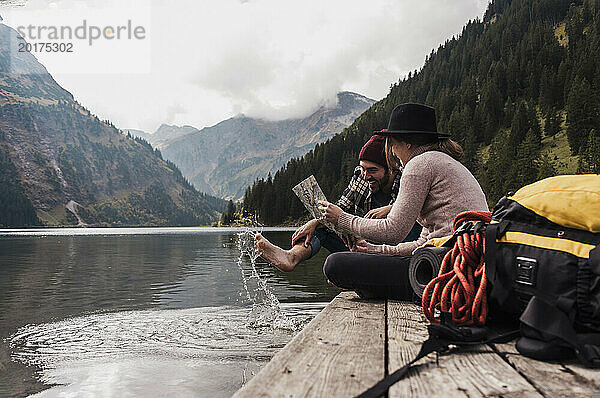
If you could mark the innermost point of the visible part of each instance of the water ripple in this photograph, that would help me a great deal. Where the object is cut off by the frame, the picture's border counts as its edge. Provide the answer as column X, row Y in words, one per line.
column 188, row 333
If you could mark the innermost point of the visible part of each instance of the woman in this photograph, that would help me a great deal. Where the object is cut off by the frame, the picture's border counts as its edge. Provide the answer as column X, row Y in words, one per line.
column 435, row 187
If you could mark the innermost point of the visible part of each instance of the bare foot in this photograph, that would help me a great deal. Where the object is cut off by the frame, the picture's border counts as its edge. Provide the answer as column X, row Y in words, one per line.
column 285, row 260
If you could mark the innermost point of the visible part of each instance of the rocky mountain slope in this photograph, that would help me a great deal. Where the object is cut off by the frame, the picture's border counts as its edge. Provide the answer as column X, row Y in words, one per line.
column 165, row 134
column 223, row 160
column 61, row 165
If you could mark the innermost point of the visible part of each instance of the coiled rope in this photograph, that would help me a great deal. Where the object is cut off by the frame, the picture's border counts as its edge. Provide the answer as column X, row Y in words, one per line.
column 460, row 287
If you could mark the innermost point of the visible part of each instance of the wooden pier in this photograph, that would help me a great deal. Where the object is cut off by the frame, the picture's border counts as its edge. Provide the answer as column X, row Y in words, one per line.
column 353, row 343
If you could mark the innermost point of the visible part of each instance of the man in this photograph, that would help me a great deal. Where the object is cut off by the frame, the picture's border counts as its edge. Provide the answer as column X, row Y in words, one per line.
column 370, row 194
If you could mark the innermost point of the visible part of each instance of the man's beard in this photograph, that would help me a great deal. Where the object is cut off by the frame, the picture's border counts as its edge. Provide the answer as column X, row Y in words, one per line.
column 380, row 183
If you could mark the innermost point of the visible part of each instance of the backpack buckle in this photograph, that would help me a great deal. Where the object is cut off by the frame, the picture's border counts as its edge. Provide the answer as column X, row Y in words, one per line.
column 479, row 226
column 526, row 271
column 465, row 227
column 457, row 335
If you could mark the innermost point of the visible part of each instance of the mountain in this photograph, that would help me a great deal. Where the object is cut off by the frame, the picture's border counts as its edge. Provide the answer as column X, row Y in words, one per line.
column 139, row 134
column 164, row 135
column 518, row 89
column 224, row 159
column 61, row 165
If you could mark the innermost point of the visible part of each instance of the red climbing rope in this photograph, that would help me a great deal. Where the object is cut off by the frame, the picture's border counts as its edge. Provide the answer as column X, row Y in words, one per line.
column 460, row 287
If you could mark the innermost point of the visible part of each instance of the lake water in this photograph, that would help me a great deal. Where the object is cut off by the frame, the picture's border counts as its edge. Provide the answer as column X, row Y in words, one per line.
column 144, row 311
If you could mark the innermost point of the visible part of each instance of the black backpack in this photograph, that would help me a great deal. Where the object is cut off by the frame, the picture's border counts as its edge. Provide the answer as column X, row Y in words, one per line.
column 542, row 262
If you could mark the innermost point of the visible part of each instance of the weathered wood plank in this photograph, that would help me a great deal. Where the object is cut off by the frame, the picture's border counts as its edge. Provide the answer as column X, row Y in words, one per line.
column 339, row 354
column 476, row 372
column 554, row 379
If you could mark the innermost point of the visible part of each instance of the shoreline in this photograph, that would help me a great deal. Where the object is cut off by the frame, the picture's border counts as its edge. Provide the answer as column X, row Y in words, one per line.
column 129, row 230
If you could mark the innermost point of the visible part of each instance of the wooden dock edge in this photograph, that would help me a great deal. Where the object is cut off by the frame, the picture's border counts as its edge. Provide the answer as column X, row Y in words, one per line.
column 352, row 344
column 339, row 353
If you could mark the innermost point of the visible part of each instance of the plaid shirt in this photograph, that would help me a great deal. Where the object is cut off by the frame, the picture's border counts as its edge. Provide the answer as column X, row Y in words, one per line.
column 356, row 198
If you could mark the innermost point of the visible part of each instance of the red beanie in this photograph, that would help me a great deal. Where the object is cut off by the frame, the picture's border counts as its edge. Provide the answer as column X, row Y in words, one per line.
column 374, row 151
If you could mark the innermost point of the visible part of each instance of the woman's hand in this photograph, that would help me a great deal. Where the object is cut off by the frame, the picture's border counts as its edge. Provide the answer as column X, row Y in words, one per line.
column 330, row 211
column 306, row 231
column 362, row 246
column 380, row 212
column 348, row 240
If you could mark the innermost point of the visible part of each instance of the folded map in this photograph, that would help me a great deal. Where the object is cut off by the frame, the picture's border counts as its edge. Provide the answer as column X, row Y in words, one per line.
column 309, row 192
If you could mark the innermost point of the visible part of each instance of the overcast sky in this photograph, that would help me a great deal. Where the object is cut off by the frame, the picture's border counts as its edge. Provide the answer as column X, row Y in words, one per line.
column 203, row 61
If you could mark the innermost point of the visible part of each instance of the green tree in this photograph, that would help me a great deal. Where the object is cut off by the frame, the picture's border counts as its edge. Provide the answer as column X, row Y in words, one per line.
column 581, row 113
column 589, row 161
column 525, row 169
column 553, row 120
column 229, row 214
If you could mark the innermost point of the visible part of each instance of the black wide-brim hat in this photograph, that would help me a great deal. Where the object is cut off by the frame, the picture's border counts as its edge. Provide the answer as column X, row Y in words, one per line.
column 413, row 119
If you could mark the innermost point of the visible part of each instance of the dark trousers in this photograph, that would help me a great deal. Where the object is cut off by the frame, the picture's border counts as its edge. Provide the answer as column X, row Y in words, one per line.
column 370, row 275
column 327, row 239
column 332, row 242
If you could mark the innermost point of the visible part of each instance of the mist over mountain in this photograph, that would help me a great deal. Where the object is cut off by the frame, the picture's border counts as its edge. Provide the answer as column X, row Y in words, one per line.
column 61, row 165
column 223, row 160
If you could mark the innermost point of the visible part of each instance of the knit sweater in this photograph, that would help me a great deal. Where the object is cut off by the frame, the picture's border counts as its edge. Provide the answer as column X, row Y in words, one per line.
column 434, row 189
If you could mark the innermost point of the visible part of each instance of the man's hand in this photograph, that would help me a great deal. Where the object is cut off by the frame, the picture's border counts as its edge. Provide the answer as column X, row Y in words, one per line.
column 306, row 231
column 330, row 211
column 380, row 212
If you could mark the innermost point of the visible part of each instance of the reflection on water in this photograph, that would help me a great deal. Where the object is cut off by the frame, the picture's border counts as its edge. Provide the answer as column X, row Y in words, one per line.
column 139, row 311
column 183, row 345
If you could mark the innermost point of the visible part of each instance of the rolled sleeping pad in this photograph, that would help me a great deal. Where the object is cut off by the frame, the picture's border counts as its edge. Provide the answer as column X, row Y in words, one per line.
column 424, row 266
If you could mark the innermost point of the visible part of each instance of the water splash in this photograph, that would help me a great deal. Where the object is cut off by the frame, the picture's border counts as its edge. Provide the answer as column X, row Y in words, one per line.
column 266, row 309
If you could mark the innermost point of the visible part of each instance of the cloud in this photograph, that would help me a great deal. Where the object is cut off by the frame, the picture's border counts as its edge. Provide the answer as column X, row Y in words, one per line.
column 273, row 59
column 279, row 60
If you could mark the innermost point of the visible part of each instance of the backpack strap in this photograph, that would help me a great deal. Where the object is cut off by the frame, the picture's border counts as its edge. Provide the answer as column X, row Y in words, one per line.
column 595, row 260
column 440, row 337
column 499, row 282
column 547, row 319
column 430, row 345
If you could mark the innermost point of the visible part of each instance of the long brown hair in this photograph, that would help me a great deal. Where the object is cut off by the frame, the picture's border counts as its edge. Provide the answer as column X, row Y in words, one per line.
column 445, row 145
column 392, row 163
